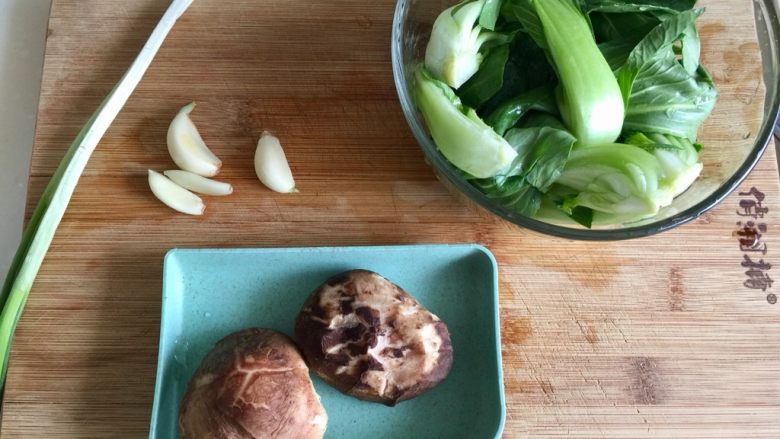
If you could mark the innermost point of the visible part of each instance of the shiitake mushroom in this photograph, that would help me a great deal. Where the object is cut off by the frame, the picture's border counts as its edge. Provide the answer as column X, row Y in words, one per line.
column 253, row 384
column 369, row 338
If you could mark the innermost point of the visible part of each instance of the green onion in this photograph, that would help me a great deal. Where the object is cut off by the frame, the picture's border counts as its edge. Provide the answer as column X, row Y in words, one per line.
column 51, row 207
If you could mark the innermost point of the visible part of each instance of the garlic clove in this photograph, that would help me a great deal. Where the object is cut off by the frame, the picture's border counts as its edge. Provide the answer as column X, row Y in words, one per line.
column 175, row 196
column 271, row 165
column 196, row 183
column 187, row 148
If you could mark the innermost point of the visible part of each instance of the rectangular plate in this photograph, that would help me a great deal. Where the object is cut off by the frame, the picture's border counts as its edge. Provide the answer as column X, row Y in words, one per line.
column 209, row 293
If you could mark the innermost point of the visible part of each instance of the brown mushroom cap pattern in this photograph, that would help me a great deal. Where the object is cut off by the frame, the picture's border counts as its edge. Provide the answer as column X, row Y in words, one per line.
column 370, row 339
column 253, row 384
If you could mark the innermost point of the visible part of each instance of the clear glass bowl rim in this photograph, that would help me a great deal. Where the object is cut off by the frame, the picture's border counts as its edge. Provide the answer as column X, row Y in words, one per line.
column 443, row 168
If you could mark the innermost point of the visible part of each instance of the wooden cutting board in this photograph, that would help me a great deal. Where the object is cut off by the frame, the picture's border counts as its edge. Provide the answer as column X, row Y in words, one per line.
column 663, row 337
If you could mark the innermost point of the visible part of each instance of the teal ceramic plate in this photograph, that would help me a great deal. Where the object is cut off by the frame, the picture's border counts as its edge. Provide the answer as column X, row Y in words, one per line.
column 208, row 293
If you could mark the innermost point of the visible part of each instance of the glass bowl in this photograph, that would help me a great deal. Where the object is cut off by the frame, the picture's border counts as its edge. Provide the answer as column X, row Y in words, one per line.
column 744, row 66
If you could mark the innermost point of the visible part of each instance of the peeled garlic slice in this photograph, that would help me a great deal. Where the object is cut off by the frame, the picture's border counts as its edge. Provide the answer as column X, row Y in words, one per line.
column 196, row 183
column 175, row 196
column 188, row 149
column 271, row 165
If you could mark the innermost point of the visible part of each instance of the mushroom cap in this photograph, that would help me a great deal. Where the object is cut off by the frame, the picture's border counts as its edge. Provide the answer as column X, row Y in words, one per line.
column 370, row 339
column 253, row 384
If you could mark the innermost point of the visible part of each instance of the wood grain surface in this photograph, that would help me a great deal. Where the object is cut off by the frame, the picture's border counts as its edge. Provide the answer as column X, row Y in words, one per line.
column 657, row 337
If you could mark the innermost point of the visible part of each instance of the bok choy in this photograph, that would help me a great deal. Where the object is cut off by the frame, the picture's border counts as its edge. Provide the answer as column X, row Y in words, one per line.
column 460, row 134
column 454, row 51
column 588, row 95
column 47, row 215
column 600, row 100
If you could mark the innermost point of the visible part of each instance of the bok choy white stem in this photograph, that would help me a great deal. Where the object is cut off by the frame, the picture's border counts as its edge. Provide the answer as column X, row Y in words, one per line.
column 454, row 51
column 51, row 207
column 589, row 97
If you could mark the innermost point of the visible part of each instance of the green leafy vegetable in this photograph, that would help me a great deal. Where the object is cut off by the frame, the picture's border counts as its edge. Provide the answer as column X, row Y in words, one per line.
column 489, row 14
column 578, row 76
column 609, row 26
column 526, row 69
column 556, row 208
column 541, row 155
column 678, row 157
column 616, row 51
column 671, row 6
column 588, row 95
column 582, row 215
column 515, row 194
column 510, row 112
column 618, row 34
column 461, row 136
column 666, row 100
column 488, row 80
column 51, row 207
column 657, row 46
column 538, row 119
column 620, row 25
column 454, row 51
column 664, row 95
column 523, row 12
column 618, row 180
column 550, row 155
